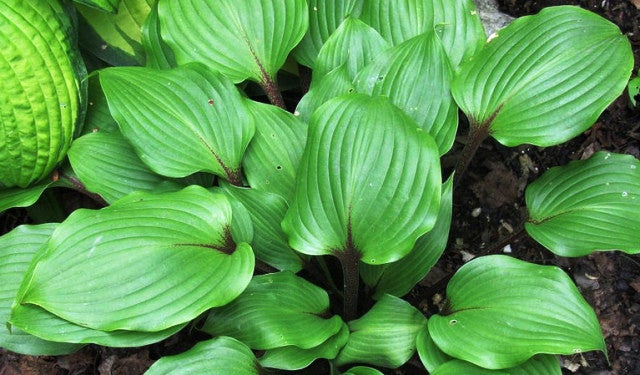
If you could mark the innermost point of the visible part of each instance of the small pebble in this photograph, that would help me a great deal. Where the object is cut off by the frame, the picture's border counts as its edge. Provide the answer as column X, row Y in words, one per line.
column 476, row 212
column 507, row 249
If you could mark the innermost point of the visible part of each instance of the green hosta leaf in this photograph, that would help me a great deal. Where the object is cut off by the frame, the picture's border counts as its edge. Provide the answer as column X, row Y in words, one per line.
column 19, row 197
column 276, row 310
column 399, row 20
column 502, row 311
column 460, row 28
column 335, row 83
column 18, row 248
column 41, row 323
column 267, row 211
column 538, row 365
column 42, row 89
column 240, row 38
column 362, row 370
column 354, row 44
column 293, row 358
column 384, row 336
column 90, row 271
column 430, row 355
column 587, row 206
column 105, row 5
column 456, row 367
column 545, row 78
column 181, row 121
column 222, row 355
column 98, row 117
column 398, row 278
column 115, row 38
column 107, row 165
column 273, row 156
column 324, row 18
column 369, row 182
column 416, row 76
column 158, row 54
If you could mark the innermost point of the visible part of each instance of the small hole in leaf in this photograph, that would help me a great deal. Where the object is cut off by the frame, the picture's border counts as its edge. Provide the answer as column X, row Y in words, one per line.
column 210, row 101
column 278, row 167
column 453, row 322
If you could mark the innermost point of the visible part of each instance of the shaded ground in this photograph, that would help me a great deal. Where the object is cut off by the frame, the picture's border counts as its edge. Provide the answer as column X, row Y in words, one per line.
column 487, row 213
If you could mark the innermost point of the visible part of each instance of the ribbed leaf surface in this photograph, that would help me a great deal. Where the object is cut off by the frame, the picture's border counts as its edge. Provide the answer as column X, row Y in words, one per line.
column 276, row 310
column 182, row 120
column 269, row 241
column 18, row 248
column 459, row 26
column 369, row 181
column 545, row 78
column 354, row 44
column 115, row 37
column 587, row 206
column 399, row 20
column 337, row 82
column 416, row 76
column 158, row 54
column 107, row 165
column 41, row 323
column 538, row 365
column 240, row 38
column 324, row 18
column 385, row 335
column 90, row 271
column 430, row 355
column 398, row 278
column 98, row 116
column 105, row 5
column 42, row 91
column 273, row 156
column 293, row 358
column 502, row 311
column 222, row 355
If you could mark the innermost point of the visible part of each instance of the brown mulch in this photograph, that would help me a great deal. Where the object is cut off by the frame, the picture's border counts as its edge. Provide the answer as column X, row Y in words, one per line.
column 488, row 209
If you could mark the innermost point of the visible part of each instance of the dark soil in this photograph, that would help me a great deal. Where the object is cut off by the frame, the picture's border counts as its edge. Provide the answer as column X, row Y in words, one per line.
column 488, row 211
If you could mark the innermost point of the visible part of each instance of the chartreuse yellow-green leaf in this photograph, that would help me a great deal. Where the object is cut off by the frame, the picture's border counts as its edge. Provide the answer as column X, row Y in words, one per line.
column 385, row 335
column 18, row 249
column 545, row 78
column 324, row 18
column 89, row 273
column 103, row 5
column 586, row 206
column 115, row 37
column 368, row 184
column 242, row 39
column 181, row 121
column 501, row 311
column 42, row 89
column 221, row 355
column 276, row 310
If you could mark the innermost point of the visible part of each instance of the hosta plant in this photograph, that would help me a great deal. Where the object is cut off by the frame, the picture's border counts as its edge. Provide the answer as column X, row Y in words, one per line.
column 289, row 232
